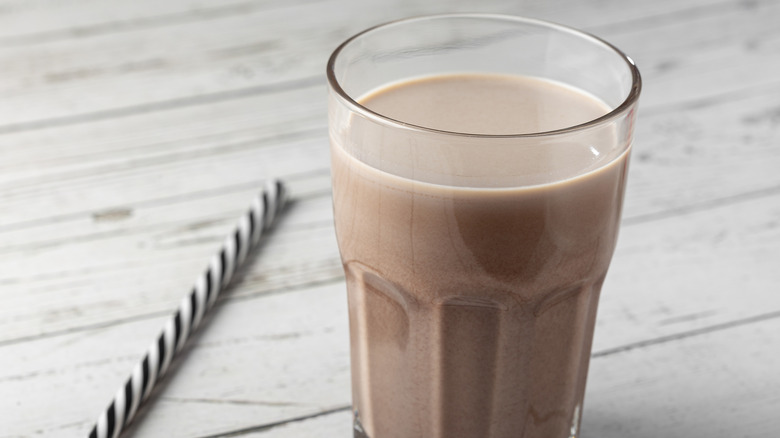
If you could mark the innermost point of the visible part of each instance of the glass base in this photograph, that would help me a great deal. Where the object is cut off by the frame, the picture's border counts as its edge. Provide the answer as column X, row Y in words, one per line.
column 359, row 432
column 575, row 423
column 357, row 428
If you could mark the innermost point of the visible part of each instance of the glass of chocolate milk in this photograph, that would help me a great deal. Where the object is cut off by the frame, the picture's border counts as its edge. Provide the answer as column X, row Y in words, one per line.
column 479, row 164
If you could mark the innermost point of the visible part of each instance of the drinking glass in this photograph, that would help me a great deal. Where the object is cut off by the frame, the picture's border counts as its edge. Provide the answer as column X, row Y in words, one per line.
column 474, row 262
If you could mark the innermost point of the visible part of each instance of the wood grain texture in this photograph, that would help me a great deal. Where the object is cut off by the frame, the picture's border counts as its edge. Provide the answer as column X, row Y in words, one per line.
column 133, row 133
column 255, row 361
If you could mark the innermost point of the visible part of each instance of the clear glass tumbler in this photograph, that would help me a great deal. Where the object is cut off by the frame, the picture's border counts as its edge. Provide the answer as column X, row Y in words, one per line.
column 474, row 262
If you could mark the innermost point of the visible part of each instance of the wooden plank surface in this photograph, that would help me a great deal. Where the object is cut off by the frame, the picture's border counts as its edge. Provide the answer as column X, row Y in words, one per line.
column 132, row 133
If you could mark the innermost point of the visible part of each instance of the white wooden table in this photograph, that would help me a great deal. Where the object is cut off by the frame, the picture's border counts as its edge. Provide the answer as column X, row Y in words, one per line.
column 132, row 134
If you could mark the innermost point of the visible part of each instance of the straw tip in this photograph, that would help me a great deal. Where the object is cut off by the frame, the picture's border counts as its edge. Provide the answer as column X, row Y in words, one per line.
column 278, row 190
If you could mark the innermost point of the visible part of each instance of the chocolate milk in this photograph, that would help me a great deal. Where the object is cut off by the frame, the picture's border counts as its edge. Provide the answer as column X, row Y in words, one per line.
column 472, row 304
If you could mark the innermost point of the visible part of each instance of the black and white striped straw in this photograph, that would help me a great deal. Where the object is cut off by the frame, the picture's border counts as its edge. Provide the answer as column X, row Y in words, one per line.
column 189, row 315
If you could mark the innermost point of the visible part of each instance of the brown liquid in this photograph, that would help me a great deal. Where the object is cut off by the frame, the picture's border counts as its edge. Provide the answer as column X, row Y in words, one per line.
column 472, row 309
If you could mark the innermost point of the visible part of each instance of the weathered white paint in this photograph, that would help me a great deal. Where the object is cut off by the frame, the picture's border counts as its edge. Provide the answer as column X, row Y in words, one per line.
column 133, row 133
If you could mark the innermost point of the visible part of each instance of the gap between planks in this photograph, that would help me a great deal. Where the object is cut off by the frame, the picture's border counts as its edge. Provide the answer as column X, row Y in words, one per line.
column 246, row 8
column 181, row 102
column 315, row 81
column 275, row 424
column 629, row 221
column 159, row 313
column 710, row 204
column 681, row 15
column 177, row 199
column 145, row 23
column 310, row 81
column 597, row 354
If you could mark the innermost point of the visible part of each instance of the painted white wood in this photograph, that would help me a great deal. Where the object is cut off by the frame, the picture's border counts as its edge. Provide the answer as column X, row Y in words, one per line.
column 720, row 384
column 275, row 357
column 279, row 43
column 254, row 361
column 691, row 272
column 133, row 133
column 73, row 19
column 80, row 282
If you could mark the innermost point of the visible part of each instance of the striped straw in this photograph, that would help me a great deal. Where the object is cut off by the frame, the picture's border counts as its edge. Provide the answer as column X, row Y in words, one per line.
column 189, row 315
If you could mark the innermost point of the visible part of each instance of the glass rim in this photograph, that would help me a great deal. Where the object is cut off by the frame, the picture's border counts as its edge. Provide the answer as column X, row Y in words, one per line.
column 628, row 102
